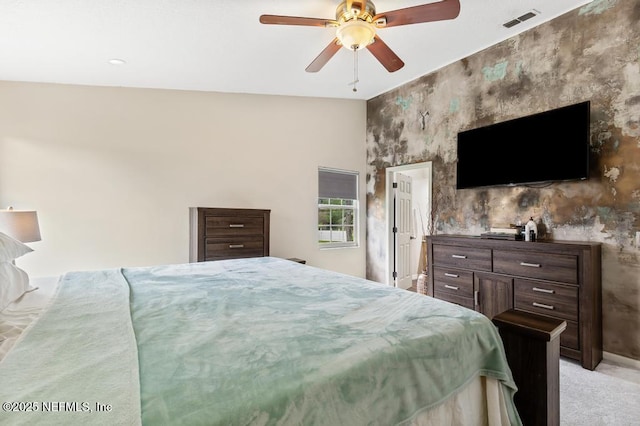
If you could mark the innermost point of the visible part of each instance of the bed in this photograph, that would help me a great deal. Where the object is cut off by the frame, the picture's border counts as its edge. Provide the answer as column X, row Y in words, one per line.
column 260, row 341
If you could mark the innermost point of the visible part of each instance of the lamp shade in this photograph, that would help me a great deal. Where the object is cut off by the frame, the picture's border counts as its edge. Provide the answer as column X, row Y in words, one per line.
column 20, row 224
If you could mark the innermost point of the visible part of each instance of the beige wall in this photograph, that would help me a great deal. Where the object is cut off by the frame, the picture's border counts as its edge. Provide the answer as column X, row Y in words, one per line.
column 112, row 171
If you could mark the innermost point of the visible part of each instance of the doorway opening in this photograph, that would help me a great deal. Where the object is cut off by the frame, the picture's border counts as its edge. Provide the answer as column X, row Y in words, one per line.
column 420, row 175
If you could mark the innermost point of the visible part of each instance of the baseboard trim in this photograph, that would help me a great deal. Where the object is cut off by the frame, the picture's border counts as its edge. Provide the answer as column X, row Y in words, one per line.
column 621, row 360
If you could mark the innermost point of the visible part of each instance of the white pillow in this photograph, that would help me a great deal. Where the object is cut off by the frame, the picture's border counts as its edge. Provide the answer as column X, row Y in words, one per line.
column 14, row 282
column 11, row 248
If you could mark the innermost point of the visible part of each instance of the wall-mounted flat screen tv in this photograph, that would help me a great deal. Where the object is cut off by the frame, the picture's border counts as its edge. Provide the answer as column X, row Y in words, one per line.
column 544, row 147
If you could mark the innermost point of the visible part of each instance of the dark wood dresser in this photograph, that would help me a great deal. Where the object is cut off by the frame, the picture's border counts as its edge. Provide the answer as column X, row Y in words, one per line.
column 222, row 233
column 560, row 280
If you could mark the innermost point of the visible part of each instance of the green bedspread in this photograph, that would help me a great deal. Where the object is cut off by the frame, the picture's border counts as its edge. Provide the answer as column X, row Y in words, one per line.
column 261, row 341
column 78, row 364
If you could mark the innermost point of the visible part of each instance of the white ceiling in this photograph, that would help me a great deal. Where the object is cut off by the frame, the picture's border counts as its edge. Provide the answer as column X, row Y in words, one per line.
column 219, row 45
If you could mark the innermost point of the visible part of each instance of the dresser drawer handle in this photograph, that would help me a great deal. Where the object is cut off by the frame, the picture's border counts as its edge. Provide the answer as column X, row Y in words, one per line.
column 542, row 305
column 232, row 246
column 446, row 274
column 458, row 256
column 543, row 290
column 532, row 265
column 451, row 287
column 236, row 225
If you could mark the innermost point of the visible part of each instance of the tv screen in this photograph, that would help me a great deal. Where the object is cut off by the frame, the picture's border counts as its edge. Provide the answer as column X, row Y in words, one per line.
column 544, row 147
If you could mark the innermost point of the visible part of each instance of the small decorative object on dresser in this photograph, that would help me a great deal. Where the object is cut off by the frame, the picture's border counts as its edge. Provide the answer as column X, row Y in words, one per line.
column 560, row 280
column 223, row 233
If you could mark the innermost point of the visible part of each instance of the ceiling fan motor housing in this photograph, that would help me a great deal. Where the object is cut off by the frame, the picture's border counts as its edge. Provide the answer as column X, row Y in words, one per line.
column 349, row 10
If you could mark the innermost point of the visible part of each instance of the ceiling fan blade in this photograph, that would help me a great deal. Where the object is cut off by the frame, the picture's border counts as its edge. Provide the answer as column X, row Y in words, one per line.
column 385, row 55
column 440, row 11
column 295, row 20
column 324, row 56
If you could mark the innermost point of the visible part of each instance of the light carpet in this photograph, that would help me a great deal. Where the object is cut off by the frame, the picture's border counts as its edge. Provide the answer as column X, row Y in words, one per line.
column 609, row 395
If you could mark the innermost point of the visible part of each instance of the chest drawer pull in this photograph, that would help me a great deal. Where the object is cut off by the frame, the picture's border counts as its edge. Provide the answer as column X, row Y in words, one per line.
column 542, row 290
column 236, row 225
column 458, row 256
column 447, row 274
column 532, row 265
column 451, row 287
column 232, row 246
column 542, row 305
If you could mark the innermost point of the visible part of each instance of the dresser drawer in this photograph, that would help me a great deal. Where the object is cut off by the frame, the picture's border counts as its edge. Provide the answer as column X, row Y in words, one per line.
column 453, row 281
column 467, row 302
column 558, row 301
column 462, row 257
column 546, row 266
column 234, row 247
column 219, row 226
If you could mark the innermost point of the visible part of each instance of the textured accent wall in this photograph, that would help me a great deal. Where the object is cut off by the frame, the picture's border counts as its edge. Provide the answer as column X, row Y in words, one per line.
column 592, row 53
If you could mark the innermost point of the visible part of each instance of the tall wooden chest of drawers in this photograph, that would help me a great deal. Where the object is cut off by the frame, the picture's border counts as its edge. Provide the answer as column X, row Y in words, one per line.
column 560, row 280
column 222, row 233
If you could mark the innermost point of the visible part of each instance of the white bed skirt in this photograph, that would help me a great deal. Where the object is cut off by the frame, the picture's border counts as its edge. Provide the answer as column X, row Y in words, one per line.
column 480, row 403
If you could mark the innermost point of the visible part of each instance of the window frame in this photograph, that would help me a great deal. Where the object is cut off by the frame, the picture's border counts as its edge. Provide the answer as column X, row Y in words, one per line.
column 354, row 208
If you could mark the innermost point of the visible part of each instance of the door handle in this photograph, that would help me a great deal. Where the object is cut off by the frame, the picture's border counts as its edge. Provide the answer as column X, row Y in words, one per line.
column 451, row 287
column 458, row 256
column 446, row 274
column 531, row 265
column 236, row 225
column 476, row 298
column 232, row 246
column 543, row 290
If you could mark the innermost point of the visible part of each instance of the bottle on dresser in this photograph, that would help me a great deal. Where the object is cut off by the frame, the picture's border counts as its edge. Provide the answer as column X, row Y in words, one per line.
column 530, row 230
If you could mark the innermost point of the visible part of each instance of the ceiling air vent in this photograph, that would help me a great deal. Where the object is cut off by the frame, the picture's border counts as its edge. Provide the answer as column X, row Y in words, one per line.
column 511, row 23
column 519, row 19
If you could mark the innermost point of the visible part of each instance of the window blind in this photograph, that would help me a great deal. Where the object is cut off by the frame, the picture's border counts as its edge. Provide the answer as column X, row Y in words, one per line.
column 337, row 184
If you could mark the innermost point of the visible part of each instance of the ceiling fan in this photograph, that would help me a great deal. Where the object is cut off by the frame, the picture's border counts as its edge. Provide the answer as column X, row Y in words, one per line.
column 357, row 22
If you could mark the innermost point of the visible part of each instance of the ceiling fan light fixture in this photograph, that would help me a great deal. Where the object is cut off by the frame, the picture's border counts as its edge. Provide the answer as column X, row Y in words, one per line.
column 356, row 34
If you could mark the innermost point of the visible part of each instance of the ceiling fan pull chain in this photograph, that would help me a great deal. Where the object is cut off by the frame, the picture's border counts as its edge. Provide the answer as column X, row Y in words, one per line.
column 355, row 69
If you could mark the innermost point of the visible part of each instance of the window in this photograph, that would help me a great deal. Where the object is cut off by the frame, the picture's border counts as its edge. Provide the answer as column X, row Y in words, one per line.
column 337, row 208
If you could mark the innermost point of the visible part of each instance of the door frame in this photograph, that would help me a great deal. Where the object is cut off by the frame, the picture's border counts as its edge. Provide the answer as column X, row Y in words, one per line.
column 426, row 168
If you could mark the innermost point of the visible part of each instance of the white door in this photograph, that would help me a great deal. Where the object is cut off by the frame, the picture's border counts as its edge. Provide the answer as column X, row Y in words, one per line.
column 402, row 230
